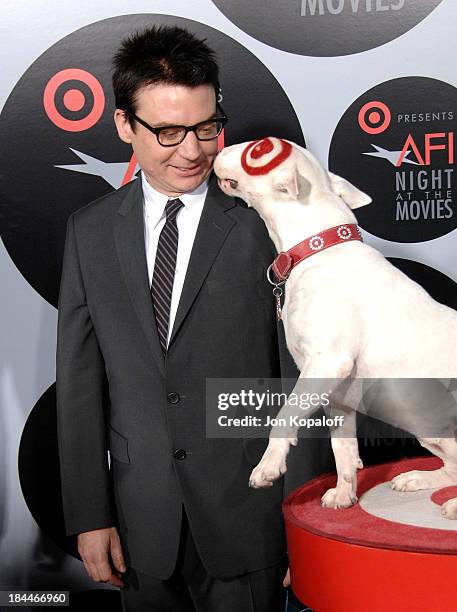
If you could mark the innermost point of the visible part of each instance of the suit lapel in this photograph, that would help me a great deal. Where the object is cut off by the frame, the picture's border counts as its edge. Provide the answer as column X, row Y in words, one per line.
column 212, row 231
column 129, row 240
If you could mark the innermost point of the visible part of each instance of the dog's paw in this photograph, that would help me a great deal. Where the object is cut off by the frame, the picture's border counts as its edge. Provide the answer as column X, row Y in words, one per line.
column 449, row 508
column 409, row 481
column 417, row 480
column 271, row 467
column 338, row 498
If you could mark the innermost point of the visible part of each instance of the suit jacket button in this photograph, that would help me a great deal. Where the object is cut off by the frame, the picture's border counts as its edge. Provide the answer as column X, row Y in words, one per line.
column 173, row 398
column 180, row 453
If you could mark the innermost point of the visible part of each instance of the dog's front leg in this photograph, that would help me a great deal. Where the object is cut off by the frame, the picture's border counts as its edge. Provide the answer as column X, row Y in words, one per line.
column 273, row 462
column 347, row 460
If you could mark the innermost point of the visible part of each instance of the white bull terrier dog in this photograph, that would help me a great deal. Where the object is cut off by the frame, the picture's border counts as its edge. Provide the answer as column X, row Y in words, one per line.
column 347, row 310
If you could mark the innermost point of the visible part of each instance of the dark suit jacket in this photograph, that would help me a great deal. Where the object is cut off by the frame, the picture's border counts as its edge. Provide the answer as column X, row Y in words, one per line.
column 116, row 392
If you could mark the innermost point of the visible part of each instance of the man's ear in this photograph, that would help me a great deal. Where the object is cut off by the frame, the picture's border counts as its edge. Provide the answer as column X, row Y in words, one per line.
column 352, row 196
column 124, row 129
column 290, row 181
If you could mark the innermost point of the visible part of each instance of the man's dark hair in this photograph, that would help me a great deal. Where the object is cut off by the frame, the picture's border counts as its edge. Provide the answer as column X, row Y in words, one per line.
column 161, row 54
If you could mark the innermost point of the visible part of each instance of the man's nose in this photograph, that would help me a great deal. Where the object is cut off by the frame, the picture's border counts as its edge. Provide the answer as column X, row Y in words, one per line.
column 190, row 148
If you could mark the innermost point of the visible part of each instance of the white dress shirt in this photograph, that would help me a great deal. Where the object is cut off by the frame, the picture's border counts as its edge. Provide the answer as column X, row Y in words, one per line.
column 187, row 222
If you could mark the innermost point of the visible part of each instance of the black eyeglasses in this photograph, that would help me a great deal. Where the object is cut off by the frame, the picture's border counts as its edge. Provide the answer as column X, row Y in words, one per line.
column 172, row 135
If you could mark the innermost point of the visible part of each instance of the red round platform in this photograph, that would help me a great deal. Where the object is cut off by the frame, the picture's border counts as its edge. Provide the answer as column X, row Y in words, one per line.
column 352, row 560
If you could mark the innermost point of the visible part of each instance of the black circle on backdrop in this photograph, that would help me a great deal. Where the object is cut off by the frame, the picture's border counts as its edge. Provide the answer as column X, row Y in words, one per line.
column 39, row 472
column 442, row 288
column 37, row 197
column 368, row 141
column 326, row 28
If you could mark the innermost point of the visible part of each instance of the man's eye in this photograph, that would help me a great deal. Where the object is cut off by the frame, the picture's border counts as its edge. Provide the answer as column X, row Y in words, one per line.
column 170, row 132
column 207, row 128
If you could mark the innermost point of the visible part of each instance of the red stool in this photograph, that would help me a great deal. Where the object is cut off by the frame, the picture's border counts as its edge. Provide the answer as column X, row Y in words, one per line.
column 351, row 560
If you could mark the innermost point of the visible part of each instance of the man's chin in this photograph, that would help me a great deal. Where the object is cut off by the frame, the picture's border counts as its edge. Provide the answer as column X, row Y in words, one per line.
column 189, row 183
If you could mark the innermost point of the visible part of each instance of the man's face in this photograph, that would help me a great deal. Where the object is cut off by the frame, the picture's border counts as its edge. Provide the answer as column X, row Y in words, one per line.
column 181, row 168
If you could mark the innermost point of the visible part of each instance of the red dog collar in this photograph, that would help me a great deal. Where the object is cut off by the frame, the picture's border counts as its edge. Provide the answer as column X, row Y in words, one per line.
column 286, row 261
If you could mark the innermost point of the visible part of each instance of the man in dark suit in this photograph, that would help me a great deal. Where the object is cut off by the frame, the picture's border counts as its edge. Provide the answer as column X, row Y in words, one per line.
column 163, row 286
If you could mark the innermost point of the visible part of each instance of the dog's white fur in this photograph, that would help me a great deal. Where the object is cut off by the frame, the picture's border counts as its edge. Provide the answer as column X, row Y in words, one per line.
column 347, row 311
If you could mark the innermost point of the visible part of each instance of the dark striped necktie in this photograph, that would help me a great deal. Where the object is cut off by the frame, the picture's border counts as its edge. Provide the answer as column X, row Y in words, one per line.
column 164, row 270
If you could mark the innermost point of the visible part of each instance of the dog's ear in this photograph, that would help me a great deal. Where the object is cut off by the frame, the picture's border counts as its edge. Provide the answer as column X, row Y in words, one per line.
column 289, row 180
column 352, row 196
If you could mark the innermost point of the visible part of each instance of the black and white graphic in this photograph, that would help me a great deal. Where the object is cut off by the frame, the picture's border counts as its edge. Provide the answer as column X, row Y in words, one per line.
column 396, row 143
column 66, row 152
column 326, row 27
column 373, row 84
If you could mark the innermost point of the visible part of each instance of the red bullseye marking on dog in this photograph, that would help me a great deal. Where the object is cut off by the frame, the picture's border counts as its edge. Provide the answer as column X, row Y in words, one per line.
column 264, row 147
column 443, row 495
column 257, row 149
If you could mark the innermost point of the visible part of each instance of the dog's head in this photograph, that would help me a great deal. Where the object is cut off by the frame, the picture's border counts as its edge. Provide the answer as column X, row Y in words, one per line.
column 278, row 170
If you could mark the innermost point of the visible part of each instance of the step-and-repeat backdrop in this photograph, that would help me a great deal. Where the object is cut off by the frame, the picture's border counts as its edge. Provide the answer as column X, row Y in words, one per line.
column 369, row 86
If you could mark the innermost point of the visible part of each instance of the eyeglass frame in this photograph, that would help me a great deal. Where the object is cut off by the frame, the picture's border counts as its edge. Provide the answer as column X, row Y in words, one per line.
column 187, row 128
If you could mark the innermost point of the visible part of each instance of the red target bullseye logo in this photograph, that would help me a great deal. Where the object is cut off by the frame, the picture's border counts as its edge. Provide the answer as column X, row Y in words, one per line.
column 73, row 100
column 262, row 156
column 374, row 117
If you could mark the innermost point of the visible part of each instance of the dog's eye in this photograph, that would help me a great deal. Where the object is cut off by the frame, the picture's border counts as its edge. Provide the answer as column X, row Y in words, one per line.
column 281, row 190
